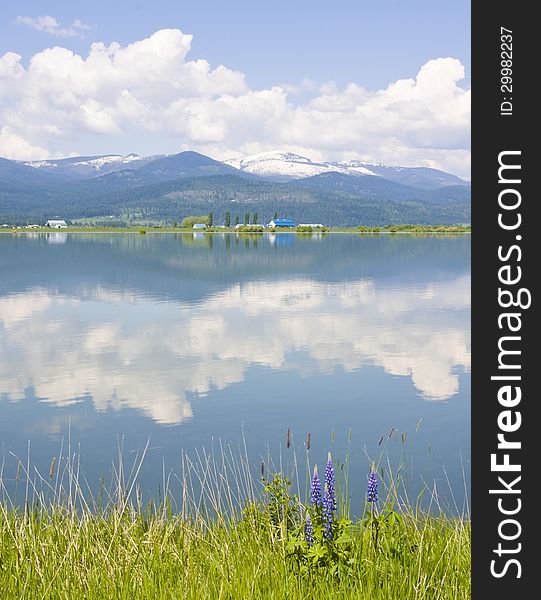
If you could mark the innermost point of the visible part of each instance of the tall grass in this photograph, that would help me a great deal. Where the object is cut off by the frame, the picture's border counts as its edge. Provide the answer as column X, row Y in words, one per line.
column 229, row 535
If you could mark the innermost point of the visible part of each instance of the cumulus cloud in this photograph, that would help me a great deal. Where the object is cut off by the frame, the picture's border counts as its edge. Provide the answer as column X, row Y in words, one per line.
column 51, row 26
column 15, row 147
column 151, row 88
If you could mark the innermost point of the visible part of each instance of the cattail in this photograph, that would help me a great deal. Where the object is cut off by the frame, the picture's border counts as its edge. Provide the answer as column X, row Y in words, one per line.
column 309, row 530
column 372, row 491
column 315, row 490
column 262, row 470
column 380, row 441
column 308, row 441
column 288, row 438
column 51, row 468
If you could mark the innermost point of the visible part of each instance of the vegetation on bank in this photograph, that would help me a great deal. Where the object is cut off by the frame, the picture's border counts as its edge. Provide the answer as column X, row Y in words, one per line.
column 411, row 228
column 249, row 228
column 151, row 555
column 231, row 537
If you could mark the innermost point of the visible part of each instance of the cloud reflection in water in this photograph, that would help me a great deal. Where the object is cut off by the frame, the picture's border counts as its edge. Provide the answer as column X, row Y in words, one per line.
column 125, row 351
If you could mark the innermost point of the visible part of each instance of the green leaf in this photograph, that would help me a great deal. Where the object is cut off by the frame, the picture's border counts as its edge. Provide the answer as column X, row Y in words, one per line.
column 344, row 538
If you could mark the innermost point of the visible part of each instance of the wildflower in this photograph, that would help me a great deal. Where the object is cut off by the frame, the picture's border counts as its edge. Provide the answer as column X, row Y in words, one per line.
column 372, row 492
column 315, row 490
column 328, row 517
column 309, row 531
column 329, row 483
column 329, row 499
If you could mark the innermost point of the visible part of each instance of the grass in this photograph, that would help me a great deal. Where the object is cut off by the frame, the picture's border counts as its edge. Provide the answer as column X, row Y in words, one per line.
column 388, row 229
column 231, row 536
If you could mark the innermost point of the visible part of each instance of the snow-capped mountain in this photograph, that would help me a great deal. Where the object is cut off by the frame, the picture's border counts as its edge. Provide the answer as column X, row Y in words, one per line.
column 101, row 161
column 89, row 166
column 96, row 162
column 420, row 177
column 177, row 185
column 278, row 166
column 285, row 166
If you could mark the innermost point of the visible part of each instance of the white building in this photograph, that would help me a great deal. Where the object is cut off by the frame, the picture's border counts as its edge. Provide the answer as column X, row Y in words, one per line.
column 312, row 225
column 56, row 224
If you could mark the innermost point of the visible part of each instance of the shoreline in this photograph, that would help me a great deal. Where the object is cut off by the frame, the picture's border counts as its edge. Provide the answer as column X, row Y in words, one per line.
column 169, row 230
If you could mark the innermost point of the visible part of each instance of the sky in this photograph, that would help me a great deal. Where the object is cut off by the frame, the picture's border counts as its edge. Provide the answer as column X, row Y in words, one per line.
column 385, row 81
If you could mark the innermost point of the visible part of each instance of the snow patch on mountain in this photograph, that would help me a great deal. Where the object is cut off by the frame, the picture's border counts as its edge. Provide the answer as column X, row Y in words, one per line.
column 287, row 165
column 98, row 163
column 95, row 162
column 40, row 164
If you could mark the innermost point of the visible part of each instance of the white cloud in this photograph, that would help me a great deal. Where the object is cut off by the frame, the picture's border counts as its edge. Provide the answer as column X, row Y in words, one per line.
column 51, row 26
column 78, row 24
column 13, row 146
column 151, row 89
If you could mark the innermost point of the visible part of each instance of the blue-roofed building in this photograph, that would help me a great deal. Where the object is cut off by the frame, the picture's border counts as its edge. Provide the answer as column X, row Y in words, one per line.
column 282, row 223
column 199, row 226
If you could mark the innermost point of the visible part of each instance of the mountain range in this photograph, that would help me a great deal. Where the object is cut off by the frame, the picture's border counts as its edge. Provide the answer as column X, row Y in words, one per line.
column 164, row 189
column 285, row 166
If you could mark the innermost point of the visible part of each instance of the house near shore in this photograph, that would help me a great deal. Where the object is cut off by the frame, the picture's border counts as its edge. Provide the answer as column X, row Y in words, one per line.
column 56, row 224
column 312, row 225
column 282, row 223
column 199, row 226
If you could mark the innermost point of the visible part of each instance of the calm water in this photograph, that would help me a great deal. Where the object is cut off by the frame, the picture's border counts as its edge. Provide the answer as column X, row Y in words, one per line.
column 194, row 338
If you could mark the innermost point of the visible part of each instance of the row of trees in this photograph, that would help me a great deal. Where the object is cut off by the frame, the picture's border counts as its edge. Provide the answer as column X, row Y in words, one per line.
column 208, row 220
column 254, row 219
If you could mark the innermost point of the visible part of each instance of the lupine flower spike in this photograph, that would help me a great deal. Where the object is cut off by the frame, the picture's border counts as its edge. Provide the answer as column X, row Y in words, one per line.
column 330, row 481
column 329, row 499
column 315, row 490
column 372, row 491
column 309, row 530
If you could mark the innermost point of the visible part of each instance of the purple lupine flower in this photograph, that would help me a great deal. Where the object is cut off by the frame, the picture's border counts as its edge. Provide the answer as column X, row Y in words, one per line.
column 329, row 483
column 372, row 491
column 328, row 516
column 309, row 530
column 329, row 499
column 315, row 490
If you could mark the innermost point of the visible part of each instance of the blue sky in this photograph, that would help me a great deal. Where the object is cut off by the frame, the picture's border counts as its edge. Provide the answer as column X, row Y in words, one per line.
column 368, row 44
column 373, row 43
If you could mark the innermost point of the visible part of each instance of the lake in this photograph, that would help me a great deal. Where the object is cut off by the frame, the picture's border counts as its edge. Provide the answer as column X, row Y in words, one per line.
column 187, row 340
